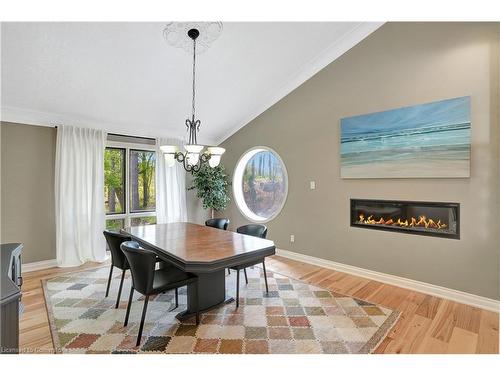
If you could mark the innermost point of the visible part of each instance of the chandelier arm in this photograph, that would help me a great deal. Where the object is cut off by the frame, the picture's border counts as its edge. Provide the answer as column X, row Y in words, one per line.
column 205, row 157
column 197, row 167
column 179, row 156
column 191, row 129
column 185, row 165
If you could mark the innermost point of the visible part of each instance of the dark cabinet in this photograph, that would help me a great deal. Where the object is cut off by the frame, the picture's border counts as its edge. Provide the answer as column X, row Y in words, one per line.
column 10, row 297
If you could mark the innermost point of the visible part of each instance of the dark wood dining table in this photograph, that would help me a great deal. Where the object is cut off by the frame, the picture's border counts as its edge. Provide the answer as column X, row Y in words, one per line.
column 204, row 251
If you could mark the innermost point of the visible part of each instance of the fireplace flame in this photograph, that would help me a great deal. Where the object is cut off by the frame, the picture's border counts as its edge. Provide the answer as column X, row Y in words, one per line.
column 422, row 221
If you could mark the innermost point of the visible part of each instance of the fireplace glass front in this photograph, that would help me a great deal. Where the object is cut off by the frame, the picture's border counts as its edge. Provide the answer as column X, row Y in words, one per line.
column 439, row 219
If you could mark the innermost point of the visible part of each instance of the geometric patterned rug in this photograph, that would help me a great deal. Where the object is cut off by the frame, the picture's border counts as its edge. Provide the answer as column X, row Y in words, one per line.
column 294, row 318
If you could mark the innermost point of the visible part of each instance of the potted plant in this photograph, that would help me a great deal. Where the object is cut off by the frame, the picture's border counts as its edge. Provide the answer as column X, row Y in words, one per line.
column 211, row 187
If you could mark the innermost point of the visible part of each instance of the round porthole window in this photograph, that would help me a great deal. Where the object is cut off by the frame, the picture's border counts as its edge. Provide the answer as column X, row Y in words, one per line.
column 260, row 184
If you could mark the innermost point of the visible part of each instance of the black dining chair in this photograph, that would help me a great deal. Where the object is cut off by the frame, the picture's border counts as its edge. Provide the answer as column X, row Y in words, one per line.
column 118, row 260
column 148, row 281
column 256, row 230
column 219, row 223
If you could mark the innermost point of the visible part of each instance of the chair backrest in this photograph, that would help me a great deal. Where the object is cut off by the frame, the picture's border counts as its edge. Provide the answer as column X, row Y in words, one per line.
column 114, row 240
column 219, row 223
column 256, row 230
column 142, row 266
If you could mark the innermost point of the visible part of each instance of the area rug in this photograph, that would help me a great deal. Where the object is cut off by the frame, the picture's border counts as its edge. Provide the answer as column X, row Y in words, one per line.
column 294, row 318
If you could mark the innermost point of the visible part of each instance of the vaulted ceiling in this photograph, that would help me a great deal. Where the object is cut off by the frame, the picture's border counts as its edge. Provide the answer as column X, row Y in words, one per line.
column 125, row 78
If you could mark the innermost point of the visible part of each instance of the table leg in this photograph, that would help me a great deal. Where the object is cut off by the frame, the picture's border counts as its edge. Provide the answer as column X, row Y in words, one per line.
column 211, row 293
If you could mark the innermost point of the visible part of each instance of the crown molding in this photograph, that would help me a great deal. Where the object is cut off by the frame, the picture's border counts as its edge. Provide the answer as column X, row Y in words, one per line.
column 309, row 69
column 25, row 116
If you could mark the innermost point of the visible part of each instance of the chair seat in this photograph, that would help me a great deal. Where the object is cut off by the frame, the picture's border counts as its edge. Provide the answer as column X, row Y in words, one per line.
column 148, row 281
column 245, row 265
column 170, row 277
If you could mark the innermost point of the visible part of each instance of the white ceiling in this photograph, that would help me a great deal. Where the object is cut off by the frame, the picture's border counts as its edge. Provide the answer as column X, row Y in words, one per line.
column 123, row 77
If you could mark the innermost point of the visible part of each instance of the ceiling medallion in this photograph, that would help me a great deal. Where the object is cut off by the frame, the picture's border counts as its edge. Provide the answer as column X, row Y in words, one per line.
column 194, row 37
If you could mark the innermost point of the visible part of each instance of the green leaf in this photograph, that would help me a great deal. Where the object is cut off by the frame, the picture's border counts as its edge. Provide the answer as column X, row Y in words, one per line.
column 211, row 186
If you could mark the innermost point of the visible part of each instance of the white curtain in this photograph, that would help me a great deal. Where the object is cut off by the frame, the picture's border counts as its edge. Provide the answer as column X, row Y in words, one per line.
column 170, row 186
column 79, row 190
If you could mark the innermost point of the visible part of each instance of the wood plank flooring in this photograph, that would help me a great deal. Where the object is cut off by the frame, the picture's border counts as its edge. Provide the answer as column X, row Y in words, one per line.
column 34, row 331
column 427, row 325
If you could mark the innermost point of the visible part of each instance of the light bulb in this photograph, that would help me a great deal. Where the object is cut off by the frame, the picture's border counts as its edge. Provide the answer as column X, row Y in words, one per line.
column 192, row 158
column 169, row 149
column 193, row 149
column 214, row 161
column 193, row 153
column 216, row 150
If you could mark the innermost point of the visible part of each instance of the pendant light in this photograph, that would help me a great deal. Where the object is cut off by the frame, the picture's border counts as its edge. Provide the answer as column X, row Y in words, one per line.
column 193, row 156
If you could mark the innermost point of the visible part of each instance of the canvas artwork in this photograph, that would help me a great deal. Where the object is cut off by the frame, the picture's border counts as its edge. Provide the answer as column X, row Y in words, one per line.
column 422, row 141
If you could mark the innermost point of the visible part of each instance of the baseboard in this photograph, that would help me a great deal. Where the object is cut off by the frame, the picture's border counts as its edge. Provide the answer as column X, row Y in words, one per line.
column 37, row 266
column 419, row 286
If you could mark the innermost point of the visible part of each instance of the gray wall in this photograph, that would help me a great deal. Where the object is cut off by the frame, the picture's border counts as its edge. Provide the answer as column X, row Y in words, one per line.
column 27, row 189
column 398, row 65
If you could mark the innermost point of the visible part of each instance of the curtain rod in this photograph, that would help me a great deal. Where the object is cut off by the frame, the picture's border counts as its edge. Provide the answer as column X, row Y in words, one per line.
column 126, row 135
column 132, row 136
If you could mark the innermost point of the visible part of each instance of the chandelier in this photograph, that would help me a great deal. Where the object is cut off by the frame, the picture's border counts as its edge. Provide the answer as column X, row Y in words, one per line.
column 199, row 35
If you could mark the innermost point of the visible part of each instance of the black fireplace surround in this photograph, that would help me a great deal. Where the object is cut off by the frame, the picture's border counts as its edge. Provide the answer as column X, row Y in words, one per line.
column 439, row 219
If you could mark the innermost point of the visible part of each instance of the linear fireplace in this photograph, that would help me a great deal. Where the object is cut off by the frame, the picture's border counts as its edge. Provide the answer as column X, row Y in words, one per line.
column 438, row 219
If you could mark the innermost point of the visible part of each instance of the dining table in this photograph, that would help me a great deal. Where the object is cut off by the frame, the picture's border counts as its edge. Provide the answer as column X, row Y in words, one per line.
column 203, row 251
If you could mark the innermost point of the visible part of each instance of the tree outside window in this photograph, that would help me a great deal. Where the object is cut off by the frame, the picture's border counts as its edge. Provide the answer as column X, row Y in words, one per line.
column 129, row 187
column 142, row 180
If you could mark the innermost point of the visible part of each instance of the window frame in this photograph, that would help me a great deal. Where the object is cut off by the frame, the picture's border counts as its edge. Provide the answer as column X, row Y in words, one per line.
column 237, row 184
column 125, row 188
column 132, row 212
column 128, row 215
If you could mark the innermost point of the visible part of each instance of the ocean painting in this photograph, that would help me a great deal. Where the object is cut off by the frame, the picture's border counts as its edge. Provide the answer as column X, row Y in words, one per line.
column 422, row 141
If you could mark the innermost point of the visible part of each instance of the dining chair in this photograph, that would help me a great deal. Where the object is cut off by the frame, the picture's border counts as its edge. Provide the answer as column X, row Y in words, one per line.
column 118, row 260
column 149, row 281
column 256, row 230
column 219, row 223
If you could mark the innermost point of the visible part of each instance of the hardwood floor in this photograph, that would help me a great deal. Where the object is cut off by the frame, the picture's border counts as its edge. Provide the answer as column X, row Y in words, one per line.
column 34, row 331
column 427, row 325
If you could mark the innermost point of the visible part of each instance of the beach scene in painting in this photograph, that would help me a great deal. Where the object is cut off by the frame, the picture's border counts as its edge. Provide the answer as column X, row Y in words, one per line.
column 426, row 140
